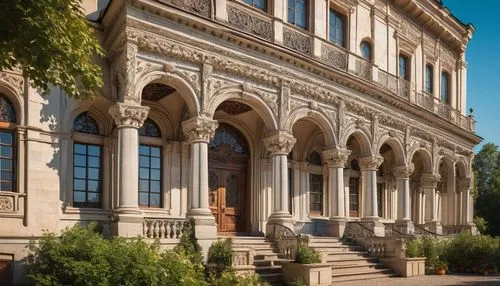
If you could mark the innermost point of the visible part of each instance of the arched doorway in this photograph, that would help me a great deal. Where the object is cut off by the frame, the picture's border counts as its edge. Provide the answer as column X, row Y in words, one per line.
column 228, row 156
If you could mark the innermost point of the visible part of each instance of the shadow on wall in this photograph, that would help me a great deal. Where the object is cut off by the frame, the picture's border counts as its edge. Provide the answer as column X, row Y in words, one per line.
column 51, row 118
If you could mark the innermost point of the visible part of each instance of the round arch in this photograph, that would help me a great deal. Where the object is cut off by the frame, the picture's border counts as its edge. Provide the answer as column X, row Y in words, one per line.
column 163, row 119
column 250, row 99
column 361, row 137
column 396, row 146
column 461, row 168
column 315, row 117
column 15, row 99
column 185, row 90
column 426, row 158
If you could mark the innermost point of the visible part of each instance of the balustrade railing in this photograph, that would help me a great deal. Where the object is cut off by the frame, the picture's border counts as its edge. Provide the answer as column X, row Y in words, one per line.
column 376, row 246
column 387, row 80
column 163, row 227
column 405, row 88
column 362, row 68
column 453, row 229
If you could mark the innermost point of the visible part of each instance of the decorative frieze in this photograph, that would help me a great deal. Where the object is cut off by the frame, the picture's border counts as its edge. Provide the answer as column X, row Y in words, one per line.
column 333, row 56
column 128, row 114
column 250, row 22
column 200, row 7
column 279, row 142
column 14, row 80
column 199, row 129
column 297, row 40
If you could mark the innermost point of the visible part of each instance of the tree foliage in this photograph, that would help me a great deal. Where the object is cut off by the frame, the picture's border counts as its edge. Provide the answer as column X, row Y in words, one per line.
column 486, row 167
column 53, row 43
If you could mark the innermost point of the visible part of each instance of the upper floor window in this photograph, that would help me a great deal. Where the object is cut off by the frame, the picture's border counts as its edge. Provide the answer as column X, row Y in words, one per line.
column 150, row 167
column 87, row 163
column 366, row 50
column 404, row 67
column 259, row 4
column 7, row 146
column 315, row 185
column 445, row 87
column 429, row 76
column 298, row 13
column 337, row 28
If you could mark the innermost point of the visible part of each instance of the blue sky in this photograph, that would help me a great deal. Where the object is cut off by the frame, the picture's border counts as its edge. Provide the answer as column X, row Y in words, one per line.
column 483, row 58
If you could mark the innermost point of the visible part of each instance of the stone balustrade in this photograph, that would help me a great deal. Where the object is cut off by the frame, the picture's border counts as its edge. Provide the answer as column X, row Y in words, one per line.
column 163, row 228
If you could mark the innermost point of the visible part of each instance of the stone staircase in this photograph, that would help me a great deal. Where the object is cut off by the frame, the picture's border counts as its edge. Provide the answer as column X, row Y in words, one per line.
column 267, row 260
column 349, row 262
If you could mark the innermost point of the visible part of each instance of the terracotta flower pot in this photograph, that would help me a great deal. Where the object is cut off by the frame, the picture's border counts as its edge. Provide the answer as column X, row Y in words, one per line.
column 440, row 271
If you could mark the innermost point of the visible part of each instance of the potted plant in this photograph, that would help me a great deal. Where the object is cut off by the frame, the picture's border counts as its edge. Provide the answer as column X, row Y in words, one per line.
column 308, row 268
column 440, row 268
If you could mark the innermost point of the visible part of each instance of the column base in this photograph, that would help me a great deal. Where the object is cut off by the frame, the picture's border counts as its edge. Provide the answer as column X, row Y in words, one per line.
column 336, row 227
column 375, row 225
column 434, row 226
column 280, row 223
column 204, row 228
column 405, row 226
column 470, row 228
column 127, row 224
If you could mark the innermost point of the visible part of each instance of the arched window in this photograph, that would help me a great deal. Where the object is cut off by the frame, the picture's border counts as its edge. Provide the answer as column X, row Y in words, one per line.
column 429, row 77
column 259, row 4
column 366, row 50
column 315, row 184
column 445, row 87
column 87, row 164
column 298, row 13
column 8, row 144
column 150, row 165
column 337, row 28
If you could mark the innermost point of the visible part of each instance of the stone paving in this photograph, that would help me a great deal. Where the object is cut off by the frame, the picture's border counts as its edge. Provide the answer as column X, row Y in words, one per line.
column 454, row 279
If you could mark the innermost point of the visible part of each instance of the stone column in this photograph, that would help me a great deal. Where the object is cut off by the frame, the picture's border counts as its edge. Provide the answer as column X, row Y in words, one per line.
column 402, row 175
column 198, row 132
column 128, row 118
column 464, row 184
column 428, row 182
column 279, row 144
column 368, row 166
column 336, row 159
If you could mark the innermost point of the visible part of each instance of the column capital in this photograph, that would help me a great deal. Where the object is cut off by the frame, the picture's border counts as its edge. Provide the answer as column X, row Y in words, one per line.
column 199, row 129
column 129, row 115
column 403, row 171
column 279, row 142
column 370, row 162
column 464, row 184
column 429, row 180
column 336, row 157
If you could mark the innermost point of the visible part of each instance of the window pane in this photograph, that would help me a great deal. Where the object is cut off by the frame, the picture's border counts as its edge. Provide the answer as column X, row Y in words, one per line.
column 5, row 164
column 155, row 163
column 143, row 186
column 6, row 151
column 79, row 185
column 144, row 150
column 366, row 50
column 94, row 162
column 155, row 175
column 80, row 149
column 143, row 199
column 155, row 201
column 144, row 173
column 6, row 187
column 79, row 197
column 6, row 138
column 79, row 160
column 6, row 176
column 93, row 197
column 93, row 186
column 93, row 173
column 79, row 172
column 155, row 186
column 94, row 150
column 143, row 161
column 155, row 152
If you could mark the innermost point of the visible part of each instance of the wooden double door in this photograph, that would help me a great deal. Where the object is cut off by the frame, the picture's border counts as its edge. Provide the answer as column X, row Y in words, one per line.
column 226, row 196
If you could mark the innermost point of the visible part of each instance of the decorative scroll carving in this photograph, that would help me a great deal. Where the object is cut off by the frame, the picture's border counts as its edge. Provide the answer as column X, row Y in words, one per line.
column 279, row 142
column 429, row 180
column 333, row 56
column 6, row 204
column 201, row 7
column 248, row 22
column 336, row 157
column 14, row 80
column 199, row 129
column 464, row 184
column 403, row 171
column 129, row 115
column 297, row 41
column 371, row 162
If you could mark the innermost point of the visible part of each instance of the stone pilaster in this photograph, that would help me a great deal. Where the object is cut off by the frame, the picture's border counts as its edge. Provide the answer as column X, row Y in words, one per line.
column 336, row 160
column 128, row 119
column 198, row 132
column 402, row 175
column 279, row 144
column 368, row 166
column 428, row 183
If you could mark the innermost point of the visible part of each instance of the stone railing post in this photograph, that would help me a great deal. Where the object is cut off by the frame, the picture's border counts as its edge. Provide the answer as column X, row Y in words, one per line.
column 198, row 132
column 368, row 166
column 428, row 182
column 279, row 144
column 402, row 175
column 336, row 159
column 128, row 118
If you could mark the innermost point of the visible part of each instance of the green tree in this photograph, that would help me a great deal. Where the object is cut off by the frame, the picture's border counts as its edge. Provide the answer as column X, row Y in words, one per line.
column 53, row 43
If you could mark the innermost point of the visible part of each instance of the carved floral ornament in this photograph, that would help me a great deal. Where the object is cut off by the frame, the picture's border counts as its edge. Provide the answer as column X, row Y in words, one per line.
column 6, row 204
column 429, row 180
column 199, row 129
column 336, row 158
column 279, row 142
column 370, row 162
column 128, row 114
column 403, row 171
column 464, row 184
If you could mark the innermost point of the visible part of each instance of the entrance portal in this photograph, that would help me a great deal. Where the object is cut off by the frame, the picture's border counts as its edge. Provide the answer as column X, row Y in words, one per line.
column 228, row 160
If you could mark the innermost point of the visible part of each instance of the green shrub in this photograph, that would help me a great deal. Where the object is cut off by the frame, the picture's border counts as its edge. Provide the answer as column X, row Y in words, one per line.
column 467, row 252
column 307, row 255
column 481, row 224
column 414, row 248
column 220, row 256
column 229, row 278
column 188, row 244
column 428, row 247
column 179, row 270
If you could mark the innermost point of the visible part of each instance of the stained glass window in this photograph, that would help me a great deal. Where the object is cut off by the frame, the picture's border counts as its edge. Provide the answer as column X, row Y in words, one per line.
column 86, row 175
column 228, row 135
column 259, row 4
column 150, row 176
column 150, row 129
column 7, row 111
column 297, row 13
column 84, row 123
column 366, row 50
column 337, row 28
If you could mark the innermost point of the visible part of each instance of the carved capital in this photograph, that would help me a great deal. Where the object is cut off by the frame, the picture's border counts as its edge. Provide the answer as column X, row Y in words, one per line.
column 336, row 157
column 370, row 162
column 429, row 180
column 279, row 142
column 464, row 184
column 199, row 129
column 128, row 114
column 403, row 171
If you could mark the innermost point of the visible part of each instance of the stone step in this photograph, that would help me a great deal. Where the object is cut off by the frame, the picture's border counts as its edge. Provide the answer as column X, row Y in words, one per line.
column 341, row 248
column 353, row 276
column 267, row 256
column 275, row 262
column 272, row 278
column 346, row 255
column 351, row 261
column 267, row 269
column 340, row 269
column 324, row 239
